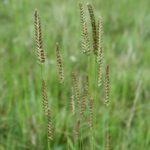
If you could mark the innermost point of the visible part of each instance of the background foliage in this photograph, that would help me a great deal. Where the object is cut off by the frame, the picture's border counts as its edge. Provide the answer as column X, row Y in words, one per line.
column 127, row 34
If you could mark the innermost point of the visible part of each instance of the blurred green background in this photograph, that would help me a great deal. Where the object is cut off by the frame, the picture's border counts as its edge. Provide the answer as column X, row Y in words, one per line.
column 127, row 51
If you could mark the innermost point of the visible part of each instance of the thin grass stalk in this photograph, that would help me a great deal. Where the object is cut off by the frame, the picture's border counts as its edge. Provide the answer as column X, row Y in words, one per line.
column 93, row 93
column 107, row 140
column 91, row 101
column 41, row 61
column 131, row 116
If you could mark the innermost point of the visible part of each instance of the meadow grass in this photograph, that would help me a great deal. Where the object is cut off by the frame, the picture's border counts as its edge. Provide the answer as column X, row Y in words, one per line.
column 126, row 50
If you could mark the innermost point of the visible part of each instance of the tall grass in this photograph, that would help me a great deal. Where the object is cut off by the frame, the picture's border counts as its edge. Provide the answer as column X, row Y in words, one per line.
column 23, row 124
column 81, row 106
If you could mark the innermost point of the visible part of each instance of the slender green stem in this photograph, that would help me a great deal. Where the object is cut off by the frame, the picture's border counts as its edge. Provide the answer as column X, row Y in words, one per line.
column 91, row 140
column 49, row 145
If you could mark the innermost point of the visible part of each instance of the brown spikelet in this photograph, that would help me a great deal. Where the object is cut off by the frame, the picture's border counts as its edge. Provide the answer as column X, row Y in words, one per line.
column 45, row 98
column 107, row 87
column 85, row 94
column 59, row 64
column 94, row 28
column 91, row 112
column 38, row 38
column 107, row 141
column 76, row 91
column 100, row 32
column 85, row 42
column 100, row 51
column 72, row 104
column 49, row 121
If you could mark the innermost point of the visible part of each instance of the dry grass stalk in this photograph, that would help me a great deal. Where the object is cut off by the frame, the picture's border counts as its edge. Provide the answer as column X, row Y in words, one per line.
column 38, row 38
column 59, row 64
column 94, row 28
column 100, row 51
column 107, row 87
column 76, row 91
column 85, row 42
column 50, row 130
column 45, row 98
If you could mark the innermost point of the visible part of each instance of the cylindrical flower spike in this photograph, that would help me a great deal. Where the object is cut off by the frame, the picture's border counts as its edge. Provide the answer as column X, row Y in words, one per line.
column 38, row 38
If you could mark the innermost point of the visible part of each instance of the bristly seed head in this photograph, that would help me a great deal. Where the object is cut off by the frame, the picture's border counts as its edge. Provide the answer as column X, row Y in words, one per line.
column 59, row 64
column 50, row 130
column 47, row 110
column 85, row 42
column 107, row 87
column 76, row 91
column 94, row 28
column 85, row 94
column 100, row 50
column 38, row 38
column 45, row 98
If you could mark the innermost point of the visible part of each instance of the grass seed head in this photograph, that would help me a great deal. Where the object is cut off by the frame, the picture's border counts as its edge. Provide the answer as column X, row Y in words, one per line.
column 50, row 130
column 85, row 94
column 38, row 38
column 94, row 27
column 100, row 51
column 45, row 98
column 107, row 87
column 59, row 64
column 85, row 42
column 76, row 91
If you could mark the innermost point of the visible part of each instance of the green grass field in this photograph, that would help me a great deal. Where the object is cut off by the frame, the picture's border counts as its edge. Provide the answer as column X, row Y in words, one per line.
column 126, row 50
